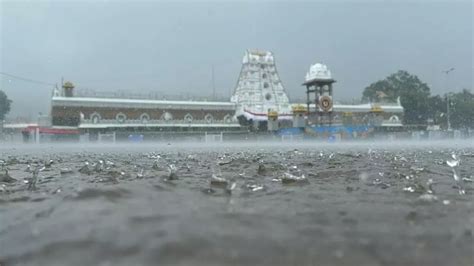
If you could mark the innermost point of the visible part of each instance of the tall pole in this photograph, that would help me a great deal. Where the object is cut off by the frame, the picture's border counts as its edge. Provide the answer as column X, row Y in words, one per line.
column 448, row 105
column 307, row 106
column 447, row 111
column 61, row 92
column 213, row 84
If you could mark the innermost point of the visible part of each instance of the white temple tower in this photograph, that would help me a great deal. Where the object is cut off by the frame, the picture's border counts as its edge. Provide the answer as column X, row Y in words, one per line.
column 259, row 89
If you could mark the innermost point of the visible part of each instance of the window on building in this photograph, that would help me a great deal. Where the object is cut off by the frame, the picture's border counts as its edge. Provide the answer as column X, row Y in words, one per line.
column 228, row 119
column 121, row 118
column 95, row 118
column 394, row 118
column 188, row 118
column 209, row 118
column 166, row 116
column 144, row 118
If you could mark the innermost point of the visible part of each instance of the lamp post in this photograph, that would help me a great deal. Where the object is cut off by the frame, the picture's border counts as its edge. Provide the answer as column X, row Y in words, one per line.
column 447, row 97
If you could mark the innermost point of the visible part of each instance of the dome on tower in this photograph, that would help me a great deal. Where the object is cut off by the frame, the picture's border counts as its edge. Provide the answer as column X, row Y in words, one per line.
column 318, row 71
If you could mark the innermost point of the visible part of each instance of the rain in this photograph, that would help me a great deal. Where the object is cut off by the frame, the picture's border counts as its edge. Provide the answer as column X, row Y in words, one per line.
column 236, row 133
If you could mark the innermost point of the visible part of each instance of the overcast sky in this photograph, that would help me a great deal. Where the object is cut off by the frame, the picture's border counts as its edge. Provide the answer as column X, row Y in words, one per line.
column 170, row 47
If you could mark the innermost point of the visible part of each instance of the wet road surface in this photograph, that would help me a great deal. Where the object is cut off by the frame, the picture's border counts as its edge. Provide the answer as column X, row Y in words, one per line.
column 237, row 204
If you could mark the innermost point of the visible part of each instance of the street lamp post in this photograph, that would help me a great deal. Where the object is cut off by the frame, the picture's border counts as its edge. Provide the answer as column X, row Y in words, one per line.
column 447, row 98
column 447, row 111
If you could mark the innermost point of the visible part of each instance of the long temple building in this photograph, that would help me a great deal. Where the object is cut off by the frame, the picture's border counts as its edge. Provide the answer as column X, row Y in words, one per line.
column 90, row 113
column 259, row 102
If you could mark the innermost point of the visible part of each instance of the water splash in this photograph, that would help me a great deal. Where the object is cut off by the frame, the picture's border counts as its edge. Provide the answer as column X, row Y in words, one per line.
column 218, row 181
column 379, row 183
column 5, row 176
column 454, row 163
column 290, row 178
column 467, row 179
column 156, row 165
column 99, row 166
column 140, row 173
column 109, row 164
column 65, row 170
column 417, row 169
column 430, row 184
column 428, row 198
column 261, row 169
column 172, row 172
column 48, row 164
column 254, row 187
column 28, row 168
column 85, row 169
column 34, row 179
column 230, row 187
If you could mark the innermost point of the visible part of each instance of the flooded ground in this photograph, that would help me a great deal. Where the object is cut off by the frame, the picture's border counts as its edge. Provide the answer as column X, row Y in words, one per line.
column 237, row 204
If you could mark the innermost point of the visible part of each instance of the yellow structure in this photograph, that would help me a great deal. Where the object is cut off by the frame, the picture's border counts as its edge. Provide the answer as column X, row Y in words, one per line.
column 376, row 109
column 68, row 89
column 272, row 115
column 272, row 124
column 299, row 108
column 299, row 112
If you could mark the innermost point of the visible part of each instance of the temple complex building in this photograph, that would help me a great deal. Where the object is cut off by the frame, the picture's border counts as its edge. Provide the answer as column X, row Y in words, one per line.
column 100, row 115
column 259, row 95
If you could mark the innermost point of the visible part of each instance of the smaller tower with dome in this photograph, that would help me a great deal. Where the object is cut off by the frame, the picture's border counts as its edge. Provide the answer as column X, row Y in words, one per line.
column 319, row 91
column 68, row 89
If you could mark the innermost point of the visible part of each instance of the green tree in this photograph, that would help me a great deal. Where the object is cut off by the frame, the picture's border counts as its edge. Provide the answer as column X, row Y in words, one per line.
column 4, row 105
column 414, row 95
column 462, row 109
column 437, row 110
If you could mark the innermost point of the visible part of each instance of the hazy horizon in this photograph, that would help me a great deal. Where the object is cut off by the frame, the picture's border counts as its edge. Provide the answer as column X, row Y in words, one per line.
column 171, row 47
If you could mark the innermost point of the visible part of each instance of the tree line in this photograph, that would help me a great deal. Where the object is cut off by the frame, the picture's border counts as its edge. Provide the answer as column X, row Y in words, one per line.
column 4, row 105
column 420, row 107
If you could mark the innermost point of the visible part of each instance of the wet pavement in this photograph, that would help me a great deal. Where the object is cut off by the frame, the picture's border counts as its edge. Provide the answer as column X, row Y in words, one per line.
column 237, row 204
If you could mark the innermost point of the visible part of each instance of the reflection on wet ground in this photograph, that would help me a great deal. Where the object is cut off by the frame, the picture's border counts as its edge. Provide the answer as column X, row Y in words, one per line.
column 292, row 204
